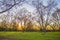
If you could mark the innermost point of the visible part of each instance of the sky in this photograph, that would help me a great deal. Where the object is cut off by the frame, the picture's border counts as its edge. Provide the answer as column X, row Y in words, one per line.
column 31, row 8
column 45, row 2
column 58, row 3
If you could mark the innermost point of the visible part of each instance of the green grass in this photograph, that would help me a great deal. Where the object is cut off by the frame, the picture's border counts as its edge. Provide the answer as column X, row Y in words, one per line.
column 30, row 35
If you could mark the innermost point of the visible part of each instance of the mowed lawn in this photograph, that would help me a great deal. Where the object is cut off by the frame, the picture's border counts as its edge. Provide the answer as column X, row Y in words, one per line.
column 29, row 36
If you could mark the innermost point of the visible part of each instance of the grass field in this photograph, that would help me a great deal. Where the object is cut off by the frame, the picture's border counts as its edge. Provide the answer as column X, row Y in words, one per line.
column 29, row 36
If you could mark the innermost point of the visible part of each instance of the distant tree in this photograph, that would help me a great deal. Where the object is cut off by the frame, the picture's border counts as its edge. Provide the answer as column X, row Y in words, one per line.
column 24, row 16
column 5, row 22
column 29, row 26
column 56, row 17
column 14, row 25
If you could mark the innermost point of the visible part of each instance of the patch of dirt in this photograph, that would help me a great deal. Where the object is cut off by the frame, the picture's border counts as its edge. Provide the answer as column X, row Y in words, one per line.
column 4, row 38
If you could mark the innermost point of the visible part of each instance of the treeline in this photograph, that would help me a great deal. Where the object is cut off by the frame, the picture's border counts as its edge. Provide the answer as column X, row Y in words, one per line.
column 44, row 17
column 28, row 26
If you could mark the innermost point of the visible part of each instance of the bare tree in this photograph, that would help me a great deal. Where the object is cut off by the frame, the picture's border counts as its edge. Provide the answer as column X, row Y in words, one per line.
column 43, row 12
column 56, row 17
column 5, row 21
column 6, row 5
